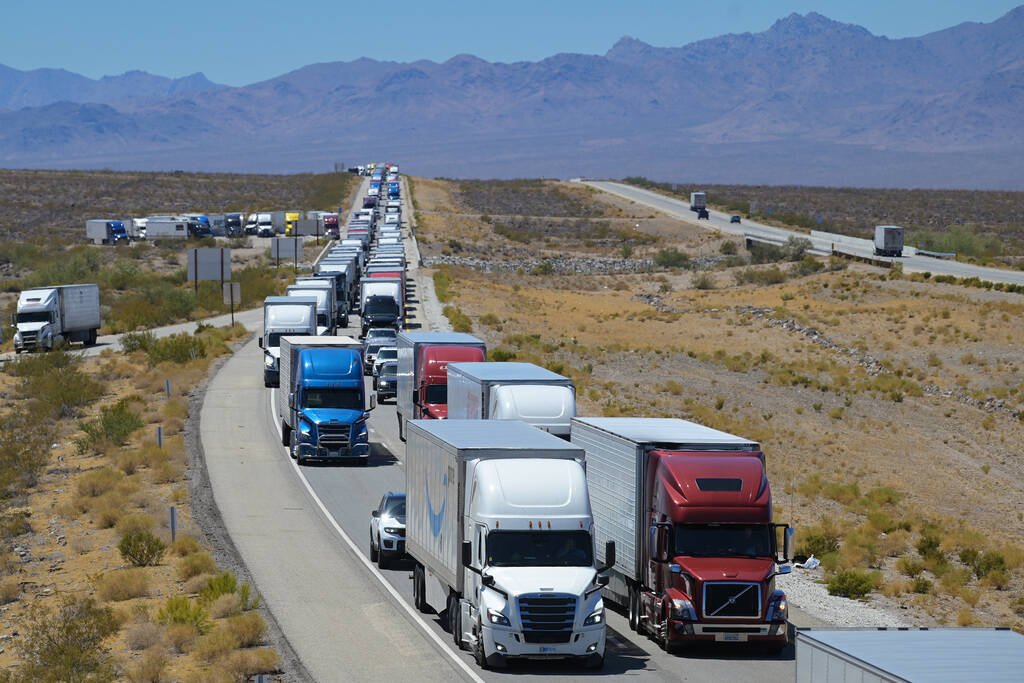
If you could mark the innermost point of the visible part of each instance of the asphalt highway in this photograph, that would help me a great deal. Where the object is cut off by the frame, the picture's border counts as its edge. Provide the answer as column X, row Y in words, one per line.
column 822, row 243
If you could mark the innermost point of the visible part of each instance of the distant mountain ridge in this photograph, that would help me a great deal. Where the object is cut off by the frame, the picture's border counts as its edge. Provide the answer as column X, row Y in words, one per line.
column 808, row 101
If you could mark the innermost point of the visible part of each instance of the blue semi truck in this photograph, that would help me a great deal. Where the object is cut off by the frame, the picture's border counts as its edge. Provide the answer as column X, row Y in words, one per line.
column 322, row 401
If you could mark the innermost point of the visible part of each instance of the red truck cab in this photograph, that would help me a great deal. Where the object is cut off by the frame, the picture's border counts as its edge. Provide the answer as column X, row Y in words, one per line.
column 713, row 550
column 432, row 391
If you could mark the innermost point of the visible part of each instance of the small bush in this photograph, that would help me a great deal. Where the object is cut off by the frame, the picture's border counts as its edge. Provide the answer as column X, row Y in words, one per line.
column 704, row 281
column 66, row 644
column 123, row 584
column 728, row 248
column 224, row 583
column 216, row 644
column 543, row 268
column 921, row 585
column 245, row 664
column 928, row 547
column 459, row 320
column 180, row 636
column 132, row 523
column 908, row 566
column 818, row 544
column 442, row 283
column 671, row 257
column 501, row 355
column 998, row 579
column 851, row 584
column 149, row 669
column 114, row 425
column 248, row 628
column 141, row 548
column 184, row 545
column 25, row 438
column 989, row 562
column 196, row 564
column 143, row 636
column 969, row 556
column 180, row 610
column 10, row 590
column 227, row 605
column 97, row 482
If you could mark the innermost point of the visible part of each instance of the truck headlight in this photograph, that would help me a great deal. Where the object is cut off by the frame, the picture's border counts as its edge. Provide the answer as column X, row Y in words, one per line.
column 596, row 617
column 496, row 617
column 268, row 361
column 305, row 428
column 778, row 607
column 683, row 610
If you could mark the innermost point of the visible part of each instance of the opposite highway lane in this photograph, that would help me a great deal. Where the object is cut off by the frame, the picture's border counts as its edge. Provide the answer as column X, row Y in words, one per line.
column 821, row 242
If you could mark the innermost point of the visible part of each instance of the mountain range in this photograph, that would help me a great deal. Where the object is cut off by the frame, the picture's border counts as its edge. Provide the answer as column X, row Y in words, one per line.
column 808, row 101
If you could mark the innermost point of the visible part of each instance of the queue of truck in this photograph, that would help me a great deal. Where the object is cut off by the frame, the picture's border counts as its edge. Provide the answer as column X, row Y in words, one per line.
column 521, row 519
column 115, row 231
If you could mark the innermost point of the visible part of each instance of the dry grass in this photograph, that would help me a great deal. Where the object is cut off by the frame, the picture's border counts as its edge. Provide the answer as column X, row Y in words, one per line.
column 184, row 545
column 244, row 664
column 248, row 628
column 195, row 565
column 227, row 605
column 10, row 590
column 123, row 584
column 149, row 669
column 143, row 636
column 180, row 637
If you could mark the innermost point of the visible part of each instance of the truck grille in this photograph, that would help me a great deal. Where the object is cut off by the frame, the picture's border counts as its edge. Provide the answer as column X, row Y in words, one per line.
column 334, row 436
column 732, row 600
column 28, row 339
column 547, row 618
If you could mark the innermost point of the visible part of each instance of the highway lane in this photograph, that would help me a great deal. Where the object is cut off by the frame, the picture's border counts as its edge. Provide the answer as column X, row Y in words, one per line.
column 821, row 242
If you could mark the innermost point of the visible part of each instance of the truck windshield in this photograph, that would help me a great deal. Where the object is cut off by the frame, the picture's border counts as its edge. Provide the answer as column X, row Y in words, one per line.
column 274, row 340
column 437, row 394
column 381, row 306
column 539, row 549
column 753, row 540
column 340, row 399
column 34, row 317
column 321, row 320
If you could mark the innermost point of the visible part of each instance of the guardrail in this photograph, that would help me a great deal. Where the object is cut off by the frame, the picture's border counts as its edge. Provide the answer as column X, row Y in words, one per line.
column 937, row 254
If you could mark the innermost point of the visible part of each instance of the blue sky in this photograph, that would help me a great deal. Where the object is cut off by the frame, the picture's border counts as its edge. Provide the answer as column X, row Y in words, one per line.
column 237, row 42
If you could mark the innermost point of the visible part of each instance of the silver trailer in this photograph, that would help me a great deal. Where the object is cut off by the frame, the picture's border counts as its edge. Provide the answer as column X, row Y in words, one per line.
column 888, row 240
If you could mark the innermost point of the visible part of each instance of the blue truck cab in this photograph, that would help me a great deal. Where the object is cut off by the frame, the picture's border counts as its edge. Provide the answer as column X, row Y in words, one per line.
column 327, row 406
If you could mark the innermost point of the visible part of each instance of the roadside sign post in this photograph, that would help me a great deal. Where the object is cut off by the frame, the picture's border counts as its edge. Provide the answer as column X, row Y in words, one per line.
column 173, row 521
column 232, row 293
column 284, row 247
column 209, row 264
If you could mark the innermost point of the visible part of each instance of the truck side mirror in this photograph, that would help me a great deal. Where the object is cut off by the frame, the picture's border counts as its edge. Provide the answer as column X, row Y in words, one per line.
column 652, row 545
column 602, row 579
column 467, row 553
column 487, row 580
column 609, row 554
column 261, row 342
column 787, row 544
column 291, row 400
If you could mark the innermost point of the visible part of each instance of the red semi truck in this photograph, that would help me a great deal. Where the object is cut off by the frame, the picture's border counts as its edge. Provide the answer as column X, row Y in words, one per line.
column 423, row 359
column 690, row 511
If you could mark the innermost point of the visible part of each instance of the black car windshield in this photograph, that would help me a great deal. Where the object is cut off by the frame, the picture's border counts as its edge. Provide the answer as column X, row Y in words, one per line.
column 34, row 317
column 753, row 540
column 395, row 507
column 539, row 549
column 343, row 399
column 437, row 394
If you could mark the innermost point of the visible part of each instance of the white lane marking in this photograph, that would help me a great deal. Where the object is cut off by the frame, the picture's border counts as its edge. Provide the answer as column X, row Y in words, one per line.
column 366, row 562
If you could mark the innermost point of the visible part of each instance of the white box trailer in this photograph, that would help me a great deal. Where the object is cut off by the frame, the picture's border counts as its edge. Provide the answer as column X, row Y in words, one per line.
column 511, row 391
column 888, row 240
column 698, row 201
column 898, row 655
column 157, row 228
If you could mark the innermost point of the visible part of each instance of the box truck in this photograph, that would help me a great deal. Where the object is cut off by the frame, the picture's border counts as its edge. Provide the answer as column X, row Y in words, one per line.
column 888, row 240
column 326, row 307
column 698, row 201
column 499, row 527
column 690, row 511
column 50, row 316
column 322, row 402
column 511, row 391
column 282, row 316
column 423, row 359
column 340, row 294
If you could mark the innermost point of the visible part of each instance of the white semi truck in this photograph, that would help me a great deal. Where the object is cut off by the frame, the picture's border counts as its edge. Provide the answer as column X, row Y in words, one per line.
column 50, row 316
column 499, row 527
column 698, row 201
column 511, row 391
column 283, row 316
column 326, row 308
column 888, row 240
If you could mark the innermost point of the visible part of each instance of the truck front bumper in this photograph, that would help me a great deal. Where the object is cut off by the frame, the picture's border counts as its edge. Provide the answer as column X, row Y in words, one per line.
column 774, row 632
column 357, row 451
column 271, row 378
column 511, row 643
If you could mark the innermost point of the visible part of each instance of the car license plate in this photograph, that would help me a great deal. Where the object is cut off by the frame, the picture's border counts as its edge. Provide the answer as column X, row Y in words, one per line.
column 547, row 649
column 731, row 637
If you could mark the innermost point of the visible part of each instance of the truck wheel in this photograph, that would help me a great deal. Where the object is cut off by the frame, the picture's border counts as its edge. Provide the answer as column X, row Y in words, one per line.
column 634, row 609
column 373, row 550
column 454, row 618
column 419, row 589
column 667, row 645
column 92, row 337
column 286, row 436
column 595, row 662
column 478, row 647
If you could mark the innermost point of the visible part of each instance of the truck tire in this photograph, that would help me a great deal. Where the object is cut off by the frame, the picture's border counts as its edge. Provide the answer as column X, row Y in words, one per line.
column 92, row 337
column 478, row 647
column 634, row 609
column 286, row 436
column 454, row 617
column 419, row 589
column 595, row 662
column 667, row 645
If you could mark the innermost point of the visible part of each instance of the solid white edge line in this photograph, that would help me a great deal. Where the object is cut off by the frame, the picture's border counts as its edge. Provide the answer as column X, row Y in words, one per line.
column 366, row 562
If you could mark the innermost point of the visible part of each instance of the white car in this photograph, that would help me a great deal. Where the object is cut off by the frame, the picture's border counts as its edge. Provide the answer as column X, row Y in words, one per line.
column 385, row 353
column 387, row 530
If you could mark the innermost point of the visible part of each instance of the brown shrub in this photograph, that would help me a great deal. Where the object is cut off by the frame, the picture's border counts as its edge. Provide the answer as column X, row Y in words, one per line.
column 136, row 522
column 245, row 664
column 227, row 605
column 248, row 628
column 216, row 644
column 143, row 636
column 130, row 461
column 149, row 669
column 196, row 584
column 123, row 584
column 97, row 482
column 10, row 590
column 184, row 545
column 196, row 564
column 180, row 636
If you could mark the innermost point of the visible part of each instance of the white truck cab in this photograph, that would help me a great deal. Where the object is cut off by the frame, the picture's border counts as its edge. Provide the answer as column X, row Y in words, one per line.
column 283, row 316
